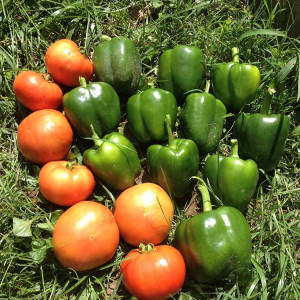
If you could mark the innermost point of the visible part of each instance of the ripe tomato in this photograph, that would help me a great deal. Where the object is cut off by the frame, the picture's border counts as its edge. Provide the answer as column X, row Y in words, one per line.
column 36, row 93
column 144, row 214
column 66, row 64
column 154, row 273
column 64, row 183
column 85, row 236
column 45, row 135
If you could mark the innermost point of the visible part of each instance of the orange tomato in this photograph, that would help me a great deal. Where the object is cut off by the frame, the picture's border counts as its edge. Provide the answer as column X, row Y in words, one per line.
column 64, row 183
column 144, row 214
column 66, row 64
column 156, row 273
column 45, row 135
column 36, row 93
column 85, row 236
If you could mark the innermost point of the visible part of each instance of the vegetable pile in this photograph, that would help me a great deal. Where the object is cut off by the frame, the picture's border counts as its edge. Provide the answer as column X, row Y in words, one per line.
column 88, row 99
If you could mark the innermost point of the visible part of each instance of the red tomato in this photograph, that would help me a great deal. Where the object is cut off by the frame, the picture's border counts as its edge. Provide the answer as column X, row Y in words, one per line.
column 66, row 64
column 154, row 275
column 85, row 236
column 36, row 93
column 45, row 135
column 64, row 183
column 144, row 214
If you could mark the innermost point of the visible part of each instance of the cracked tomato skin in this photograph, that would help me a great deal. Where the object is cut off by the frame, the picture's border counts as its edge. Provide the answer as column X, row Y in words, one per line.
column 85, row 236
column 44, row 135
column 66, row 64
column 35, row 92
column 64, row 183
column 154, row 275
column 144, row 214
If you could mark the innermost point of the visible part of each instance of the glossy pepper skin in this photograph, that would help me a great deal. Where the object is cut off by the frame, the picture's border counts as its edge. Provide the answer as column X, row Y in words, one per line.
column 172, row 166
column 202, row 118
column 117, row 61
column 146, row 114
column 180, row 70
column 235, row 84
column 113, row 160
column 215, row 242
column 96, row 103
column 232, row 179
column 262, row 136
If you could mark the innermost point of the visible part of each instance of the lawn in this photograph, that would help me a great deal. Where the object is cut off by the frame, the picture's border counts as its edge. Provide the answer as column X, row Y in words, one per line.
column 28, row 267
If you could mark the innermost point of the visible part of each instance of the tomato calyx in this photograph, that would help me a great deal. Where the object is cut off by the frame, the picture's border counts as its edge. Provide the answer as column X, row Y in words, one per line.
column 70, row 165
column 146, row 248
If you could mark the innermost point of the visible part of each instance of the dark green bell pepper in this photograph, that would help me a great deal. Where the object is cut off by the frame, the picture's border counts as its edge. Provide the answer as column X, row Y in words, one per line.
column 235, row 84
column 96, row 103
column 214, row 243
column 146, row 114
column 202, row 118
column 172, row 166
column 262, row 136
column 113, row 160
column 232, row 179
column 181, row 70
column 117, row 61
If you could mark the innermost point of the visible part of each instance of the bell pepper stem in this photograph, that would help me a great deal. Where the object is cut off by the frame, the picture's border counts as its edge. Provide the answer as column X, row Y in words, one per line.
column 202, row 188
column 171, row 141
column 235, row 55
column 234, row 148
column 82, row 81
column 265, row 107
column 105, row 38
column 207, row 86
column 95, row 137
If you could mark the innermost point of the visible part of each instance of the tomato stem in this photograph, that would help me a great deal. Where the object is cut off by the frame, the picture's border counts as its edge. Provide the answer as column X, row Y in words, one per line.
column 70, row 165
column 146, row 248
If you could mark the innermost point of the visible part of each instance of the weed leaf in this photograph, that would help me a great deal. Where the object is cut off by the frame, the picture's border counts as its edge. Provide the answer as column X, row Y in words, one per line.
column 22, row 228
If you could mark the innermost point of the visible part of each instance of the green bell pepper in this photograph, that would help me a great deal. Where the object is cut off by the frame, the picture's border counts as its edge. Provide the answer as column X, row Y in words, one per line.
column 181, row 70
column 117, row 61
column 262, row 136
column 202, row 118
column 146, row 114
column 214, row 243
column 173, row 165
column 235, row 84
column 96, row 103
column 113, row 160
column 232, row 179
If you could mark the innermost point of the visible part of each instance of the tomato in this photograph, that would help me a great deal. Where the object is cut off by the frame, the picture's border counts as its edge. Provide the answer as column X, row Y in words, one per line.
column 64, row 183
column 36, row 93
column 144, row 214
column 66, row 64
column 45, row 135
column 85, row 236
column 153, row 273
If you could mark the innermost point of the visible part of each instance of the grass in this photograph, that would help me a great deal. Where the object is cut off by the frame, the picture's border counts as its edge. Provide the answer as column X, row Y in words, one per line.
column 28, row 268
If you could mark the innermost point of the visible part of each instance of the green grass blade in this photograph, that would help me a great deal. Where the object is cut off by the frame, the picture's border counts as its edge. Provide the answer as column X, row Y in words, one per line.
column 262, row 32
